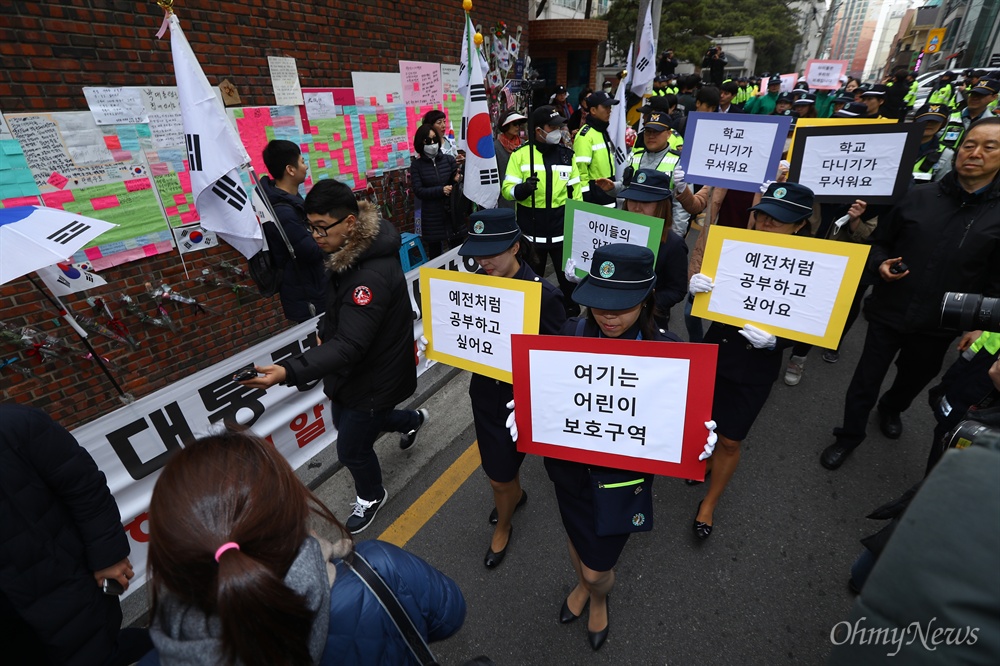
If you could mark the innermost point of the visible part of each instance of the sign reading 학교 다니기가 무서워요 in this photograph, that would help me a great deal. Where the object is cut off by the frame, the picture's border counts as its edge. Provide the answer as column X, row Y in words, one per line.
column 734, row 151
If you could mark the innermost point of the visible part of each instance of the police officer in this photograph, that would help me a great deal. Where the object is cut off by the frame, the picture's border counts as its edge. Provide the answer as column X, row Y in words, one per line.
column 541, row 176
column 874, row 98
column 977, row 107
column 945, row 91
column 933, row 157
column 593, row 151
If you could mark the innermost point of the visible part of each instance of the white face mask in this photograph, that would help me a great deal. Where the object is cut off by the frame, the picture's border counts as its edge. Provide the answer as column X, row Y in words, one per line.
column 554, row 137
column 431, row 150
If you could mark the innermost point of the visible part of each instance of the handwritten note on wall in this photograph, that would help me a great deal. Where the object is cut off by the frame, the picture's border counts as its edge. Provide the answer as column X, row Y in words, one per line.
column 421, row 83
column 115, row 106
column 285, row 79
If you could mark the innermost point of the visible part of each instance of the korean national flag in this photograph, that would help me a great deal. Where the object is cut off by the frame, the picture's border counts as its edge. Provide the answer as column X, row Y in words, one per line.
column 645, row 60
column 482, row 178
column 215, row 153
column 65, row 278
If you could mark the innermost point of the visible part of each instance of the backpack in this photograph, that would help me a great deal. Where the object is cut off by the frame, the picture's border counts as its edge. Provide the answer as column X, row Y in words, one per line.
column 264, row 267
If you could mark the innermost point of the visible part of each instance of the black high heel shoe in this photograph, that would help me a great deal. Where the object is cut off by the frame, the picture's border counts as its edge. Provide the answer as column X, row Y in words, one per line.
column 597, row 638
column 494, row 518
column 701, row 530
column 566, row 615
column 493, row 560
column 695, row 482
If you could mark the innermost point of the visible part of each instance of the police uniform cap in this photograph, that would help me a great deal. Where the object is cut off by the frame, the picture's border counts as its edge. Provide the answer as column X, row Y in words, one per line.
column 658, row 121
column 648, row 185
column 808, row 98
column 786, row 202
column 547, row 115
column 986, row 87
column 600, row 98
column 852, row 110
column 620, row 278
column 938, row 112
column 877, row 90
column 786, row 97
column 658, row 103
column 491, row 231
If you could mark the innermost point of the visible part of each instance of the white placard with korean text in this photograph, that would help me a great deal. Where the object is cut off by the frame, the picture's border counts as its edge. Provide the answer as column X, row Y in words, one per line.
column 872, row 162
column 825, row 74
column 588, row 227
column 609, row 403
column 116, row 106
column 796, row 288
column 473, row 316
column 733, row 151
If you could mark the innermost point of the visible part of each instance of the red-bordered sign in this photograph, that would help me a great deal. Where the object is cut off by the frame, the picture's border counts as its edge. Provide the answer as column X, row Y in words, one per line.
column 627, row 404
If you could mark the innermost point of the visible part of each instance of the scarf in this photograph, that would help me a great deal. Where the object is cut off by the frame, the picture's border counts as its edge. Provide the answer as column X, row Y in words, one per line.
column 509, row 144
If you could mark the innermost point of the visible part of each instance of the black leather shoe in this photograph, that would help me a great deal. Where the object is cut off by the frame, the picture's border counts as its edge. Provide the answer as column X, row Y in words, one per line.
column 889, row 423
column 493, row 560
column 701, row 530
column 597, row 638
column 566, row 615
column 494, row 518
column 834, row 455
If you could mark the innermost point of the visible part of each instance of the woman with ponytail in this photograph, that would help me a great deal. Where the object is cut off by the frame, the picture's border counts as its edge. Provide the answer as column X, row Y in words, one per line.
column 238, row 577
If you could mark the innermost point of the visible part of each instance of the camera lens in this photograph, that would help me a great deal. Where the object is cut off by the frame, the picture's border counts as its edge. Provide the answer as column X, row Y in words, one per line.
column 970, row 312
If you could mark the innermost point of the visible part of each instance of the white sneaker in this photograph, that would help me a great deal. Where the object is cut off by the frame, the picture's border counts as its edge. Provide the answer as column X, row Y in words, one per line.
column 364, row 513
column 793, row 373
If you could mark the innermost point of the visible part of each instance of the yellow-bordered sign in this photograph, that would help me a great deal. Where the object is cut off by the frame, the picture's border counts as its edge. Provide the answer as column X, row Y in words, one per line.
column 469, row 318
column 794, row 287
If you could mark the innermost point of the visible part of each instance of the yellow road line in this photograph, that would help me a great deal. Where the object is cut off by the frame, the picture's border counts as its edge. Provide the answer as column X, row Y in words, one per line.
column 417, row 515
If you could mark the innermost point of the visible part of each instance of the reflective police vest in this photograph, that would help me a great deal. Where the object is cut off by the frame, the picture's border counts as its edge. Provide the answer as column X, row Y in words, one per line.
column 943, row 95
column 671, row 90
column 593, row 156
column 667, row 163
column 911, row 97
column 552, row 191
column 925, row 169
column 955, row 129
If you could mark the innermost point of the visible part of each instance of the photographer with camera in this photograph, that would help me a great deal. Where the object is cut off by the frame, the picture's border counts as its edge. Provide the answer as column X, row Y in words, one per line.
column 940, row 237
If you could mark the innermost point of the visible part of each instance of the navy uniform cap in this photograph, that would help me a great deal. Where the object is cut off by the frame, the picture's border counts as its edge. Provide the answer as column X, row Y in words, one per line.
column 877, row 90
column 600, row 98
column 491, row 231
column 620, row 278
column 658, row 121
column 547, row 115
column 786, row 97
column 648, row 185
column 786, row 202
column 986, row 87
column 852, row 110
column 774, row 81
column 938, row 112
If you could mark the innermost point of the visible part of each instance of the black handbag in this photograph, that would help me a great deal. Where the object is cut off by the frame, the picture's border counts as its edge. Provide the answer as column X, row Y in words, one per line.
column 623, row 501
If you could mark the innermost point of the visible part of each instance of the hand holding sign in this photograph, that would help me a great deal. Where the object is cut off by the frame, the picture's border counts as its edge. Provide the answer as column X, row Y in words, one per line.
column 700, row 284
column 758, row 338
column 710, row 444
column 512, row 421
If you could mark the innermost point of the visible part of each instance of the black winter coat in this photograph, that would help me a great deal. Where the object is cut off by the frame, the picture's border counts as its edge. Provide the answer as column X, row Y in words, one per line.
column 367, row 357
column 429, row 178
column 58, row 525
column 950, row 241
column 303, row 282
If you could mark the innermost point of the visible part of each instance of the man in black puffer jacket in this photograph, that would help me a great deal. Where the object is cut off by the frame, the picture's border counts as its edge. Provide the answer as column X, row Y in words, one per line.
column 946, row 235
column 60, row 537
column 366, row 356
column 303, row 281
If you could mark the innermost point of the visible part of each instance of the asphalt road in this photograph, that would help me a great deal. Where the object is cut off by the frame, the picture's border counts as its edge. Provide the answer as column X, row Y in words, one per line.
column 766, row 588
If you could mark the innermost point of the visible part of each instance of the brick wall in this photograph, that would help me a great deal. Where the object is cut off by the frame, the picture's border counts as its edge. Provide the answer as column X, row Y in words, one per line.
column 50, row 50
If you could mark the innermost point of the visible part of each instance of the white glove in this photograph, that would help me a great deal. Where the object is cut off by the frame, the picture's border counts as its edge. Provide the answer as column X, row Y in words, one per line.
column 511, row 422
column 679, row 184
column 422, row 343
column 570, row 271
column 710, row 444
column 700, row 284
column 840, row 222
column 784, row 166
column 758, row 338
column 766, row 184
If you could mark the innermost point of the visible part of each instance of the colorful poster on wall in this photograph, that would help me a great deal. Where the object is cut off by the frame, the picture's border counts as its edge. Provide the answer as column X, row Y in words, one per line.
column 333, row 144
column 257, row 125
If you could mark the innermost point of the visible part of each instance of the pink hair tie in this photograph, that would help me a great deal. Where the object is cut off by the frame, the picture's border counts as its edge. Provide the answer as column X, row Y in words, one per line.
column 224, row 547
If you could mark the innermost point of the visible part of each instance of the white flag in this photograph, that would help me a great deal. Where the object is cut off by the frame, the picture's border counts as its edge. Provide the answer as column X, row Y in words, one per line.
column 215, row 153
column 468, row 45
column 63, row 279
column 645, row 59
column 617, row 123
column 482, row 178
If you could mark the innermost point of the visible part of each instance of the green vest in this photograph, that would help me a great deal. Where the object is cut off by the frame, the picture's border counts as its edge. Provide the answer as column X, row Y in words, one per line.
column 943, row 95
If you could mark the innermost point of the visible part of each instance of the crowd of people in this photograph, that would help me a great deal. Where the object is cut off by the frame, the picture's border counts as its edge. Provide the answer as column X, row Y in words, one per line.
column 237, row 576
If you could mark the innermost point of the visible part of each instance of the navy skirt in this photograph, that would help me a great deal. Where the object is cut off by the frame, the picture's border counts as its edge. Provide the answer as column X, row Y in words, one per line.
column 500, row 458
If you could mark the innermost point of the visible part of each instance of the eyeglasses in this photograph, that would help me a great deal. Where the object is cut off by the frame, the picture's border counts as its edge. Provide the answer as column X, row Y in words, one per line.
column 321, row 231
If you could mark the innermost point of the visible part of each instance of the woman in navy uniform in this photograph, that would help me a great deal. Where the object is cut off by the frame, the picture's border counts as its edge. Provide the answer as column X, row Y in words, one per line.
column 618, row 293
column 750, row 359
column 496, row 243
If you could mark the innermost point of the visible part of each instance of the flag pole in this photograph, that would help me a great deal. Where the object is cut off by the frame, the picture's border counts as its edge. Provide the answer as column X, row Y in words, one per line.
column 58, row 305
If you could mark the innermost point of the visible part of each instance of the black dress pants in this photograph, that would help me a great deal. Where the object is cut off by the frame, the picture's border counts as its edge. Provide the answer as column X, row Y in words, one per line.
column 918, row 361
